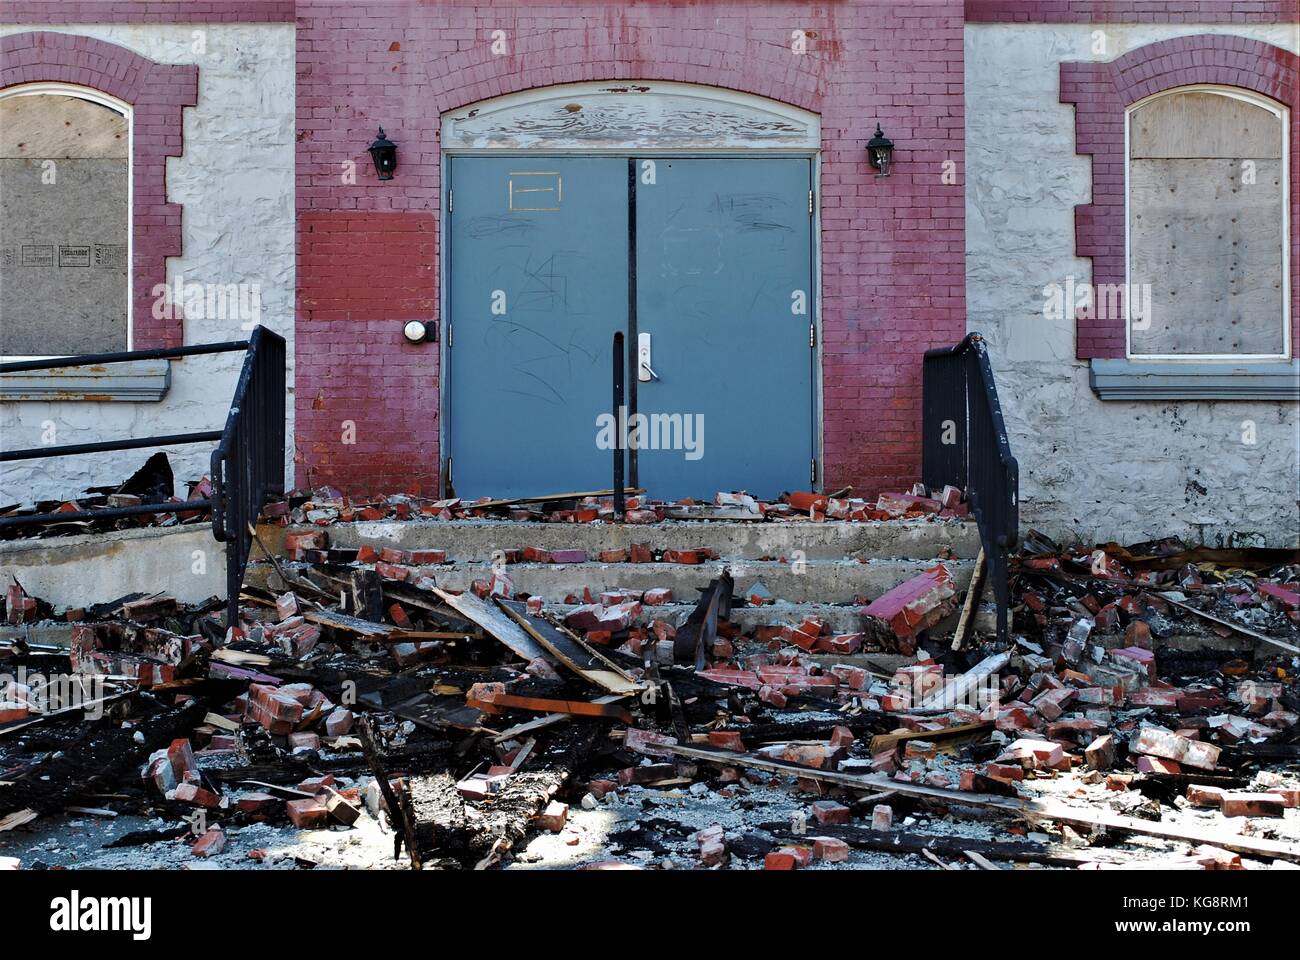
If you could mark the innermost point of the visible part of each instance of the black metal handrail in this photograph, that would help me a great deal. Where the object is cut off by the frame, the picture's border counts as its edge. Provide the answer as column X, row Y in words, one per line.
column 247, row 466
column 964, row 443
column 620, row 453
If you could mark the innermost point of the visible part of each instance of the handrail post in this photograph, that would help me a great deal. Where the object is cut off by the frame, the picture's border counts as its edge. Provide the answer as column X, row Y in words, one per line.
column 964, row 443
column 619, row 427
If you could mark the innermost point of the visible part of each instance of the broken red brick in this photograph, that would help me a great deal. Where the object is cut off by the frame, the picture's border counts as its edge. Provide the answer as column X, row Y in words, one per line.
column 1100, row 754
column 842, row 737
column 648, row 742
column 726, row 740
column 210, row 844
column 1033, row 754
column 188, row 792
column 1004, row 771
column 1157, row 765
column 914, row 605
column 689, row 557
column 900, row 504
column 568, row 556
column 1170, row 746
column 1243, row 804
column 308, row 814
column 783, row 859
column 830, row 850
column 828, row 812
column 649, row 773
column 1289, row 598
column 553, row 818
column 1203, row 795
column 422, row 558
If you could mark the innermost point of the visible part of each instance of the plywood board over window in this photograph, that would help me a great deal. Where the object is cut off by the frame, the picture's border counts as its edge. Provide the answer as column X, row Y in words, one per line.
column 64, row 197
column 1206, row 207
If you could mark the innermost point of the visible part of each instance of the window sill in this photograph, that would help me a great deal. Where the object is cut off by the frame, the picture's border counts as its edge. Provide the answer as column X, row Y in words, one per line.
column 136, row 381
column 1163, row 380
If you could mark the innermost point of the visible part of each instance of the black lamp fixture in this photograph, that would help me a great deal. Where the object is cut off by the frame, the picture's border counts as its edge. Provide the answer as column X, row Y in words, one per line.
column 880, row 151
column 384, row 152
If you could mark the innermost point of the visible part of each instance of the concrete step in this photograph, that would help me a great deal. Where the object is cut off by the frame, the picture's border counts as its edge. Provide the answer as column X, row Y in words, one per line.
column 832, row 540
column 816, row 581
column 838, row 617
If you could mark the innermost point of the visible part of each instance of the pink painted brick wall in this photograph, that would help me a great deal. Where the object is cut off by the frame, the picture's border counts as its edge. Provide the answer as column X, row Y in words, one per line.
column 893, row 249
column 146, row 11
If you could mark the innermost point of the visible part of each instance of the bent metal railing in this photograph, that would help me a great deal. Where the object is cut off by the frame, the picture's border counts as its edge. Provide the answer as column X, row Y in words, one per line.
column 964, row 443
column 247, row 465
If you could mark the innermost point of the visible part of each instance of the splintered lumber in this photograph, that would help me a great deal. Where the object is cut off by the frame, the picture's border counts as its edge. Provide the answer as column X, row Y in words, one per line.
column 980, row 860
column 539, row 723
column 495, row 624
column 574, row 653
column 696, row 635
column 960, row 688
column 1229, row 624
column 349, row 624
column 16, row 819
column 972, row 600
column 398, row 807
column 367, row 595
column 440, row 712
column 241, row 658
column 948, row 736
column 930, row 855
column 1033, row 809
column 905, row 842
column 601, row 707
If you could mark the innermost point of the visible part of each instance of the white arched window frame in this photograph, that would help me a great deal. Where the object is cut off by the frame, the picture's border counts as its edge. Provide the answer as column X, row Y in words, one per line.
column 118, row 106
column 1284, row 212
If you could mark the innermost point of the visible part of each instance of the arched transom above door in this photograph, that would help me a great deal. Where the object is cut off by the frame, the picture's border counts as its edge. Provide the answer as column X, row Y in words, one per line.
column 613, row 116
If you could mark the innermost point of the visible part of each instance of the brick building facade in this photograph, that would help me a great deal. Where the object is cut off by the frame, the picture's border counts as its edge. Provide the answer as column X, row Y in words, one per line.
column 954, row 239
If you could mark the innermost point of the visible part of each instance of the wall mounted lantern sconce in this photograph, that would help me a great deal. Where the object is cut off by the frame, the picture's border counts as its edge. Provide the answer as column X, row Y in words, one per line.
column 880, row 152
column 384, row 152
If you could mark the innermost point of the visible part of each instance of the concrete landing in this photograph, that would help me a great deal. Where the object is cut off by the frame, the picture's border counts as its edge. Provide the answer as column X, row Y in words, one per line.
column 832, row 540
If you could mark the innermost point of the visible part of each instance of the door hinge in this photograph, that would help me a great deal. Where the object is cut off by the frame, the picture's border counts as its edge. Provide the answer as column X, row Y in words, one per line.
column 812, row 334
column 810, row 203
column 451, row 200
column 451, row 337
column 449, row 481
column 812, row 471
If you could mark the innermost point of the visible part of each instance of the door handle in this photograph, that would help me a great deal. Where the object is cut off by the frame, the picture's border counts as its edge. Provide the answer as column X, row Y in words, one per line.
column 645, row 373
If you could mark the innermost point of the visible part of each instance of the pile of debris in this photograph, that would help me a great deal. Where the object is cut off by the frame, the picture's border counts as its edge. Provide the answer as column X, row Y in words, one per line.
column 151, row 485
column 327, row 505
column 358, row 690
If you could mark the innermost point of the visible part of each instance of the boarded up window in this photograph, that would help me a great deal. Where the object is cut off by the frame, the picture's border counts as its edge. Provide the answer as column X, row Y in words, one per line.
column 1206, row 227
column 64, row 283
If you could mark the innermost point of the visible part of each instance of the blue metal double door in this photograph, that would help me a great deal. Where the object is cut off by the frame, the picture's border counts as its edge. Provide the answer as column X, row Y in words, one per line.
column 705, row 264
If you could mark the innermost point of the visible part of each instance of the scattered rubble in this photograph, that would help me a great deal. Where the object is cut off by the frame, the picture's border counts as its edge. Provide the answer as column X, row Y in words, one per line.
column 1148, row 693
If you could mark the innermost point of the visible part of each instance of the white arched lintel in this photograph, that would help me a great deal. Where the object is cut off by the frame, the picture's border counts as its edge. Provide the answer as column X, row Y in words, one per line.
column 619, row 117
